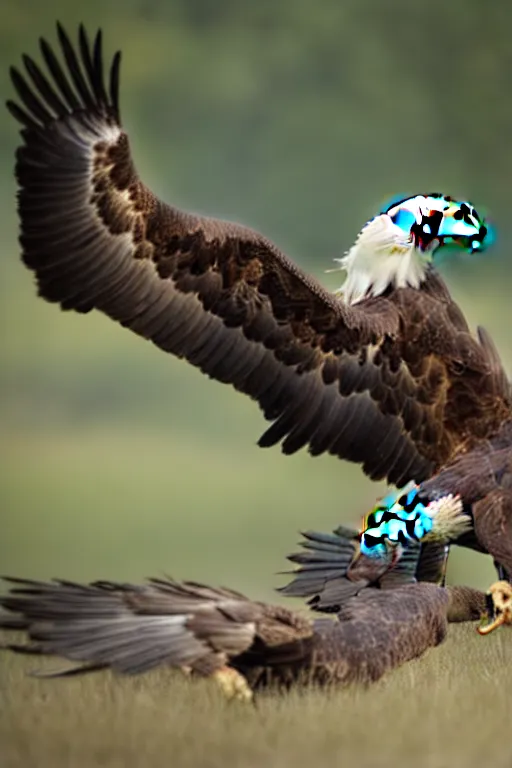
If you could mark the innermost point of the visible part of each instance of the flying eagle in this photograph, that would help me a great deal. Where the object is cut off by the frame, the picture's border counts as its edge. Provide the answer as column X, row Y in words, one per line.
column 220, row 633
column 389, row 376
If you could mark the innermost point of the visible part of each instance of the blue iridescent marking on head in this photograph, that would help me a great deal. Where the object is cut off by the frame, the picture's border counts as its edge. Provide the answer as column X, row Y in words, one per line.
column 404, row 219
column 451, row 226
column 411, row 496
column 423, row 525
column 398, row 519
column 393, row 528
column 436, row 220
column 377, row 551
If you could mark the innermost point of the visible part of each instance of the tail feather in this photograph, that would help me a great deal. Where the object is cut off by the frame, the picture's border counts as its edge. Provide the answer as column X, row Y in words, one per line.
column 108, row 625
column 327, row 558
column 342, row 539
column 432, row 562
column 335, row 593
column 404, row 571
column 324, row 567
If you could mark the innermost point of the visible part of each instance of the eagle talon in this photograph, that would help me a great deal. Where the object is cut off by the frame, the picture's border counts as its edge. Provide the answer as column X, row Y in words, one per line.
column 500, row 608
column 233, row 685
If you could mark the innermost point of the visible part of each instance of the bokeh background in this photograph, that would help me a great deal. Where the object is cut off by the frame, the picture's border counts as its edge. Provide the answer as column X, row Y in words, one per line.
column 299, row 119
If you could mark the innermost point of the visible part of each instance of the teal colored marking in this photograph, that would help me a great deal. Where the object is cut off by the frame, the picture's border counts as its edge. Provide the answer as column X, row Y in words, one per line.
column 440, row 218
column 401, row 518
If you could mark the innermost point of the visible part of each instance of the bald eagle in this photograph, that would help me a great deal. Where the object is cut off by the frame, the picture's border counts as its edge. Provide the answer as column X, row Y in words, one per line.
column 389, row 375
column 220, row 633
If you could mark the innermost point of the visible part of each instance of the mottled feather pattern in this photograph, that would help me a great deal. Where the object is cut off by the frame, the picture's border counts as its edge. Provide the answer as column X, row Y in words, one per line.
column 403, row 365
column 132, row 629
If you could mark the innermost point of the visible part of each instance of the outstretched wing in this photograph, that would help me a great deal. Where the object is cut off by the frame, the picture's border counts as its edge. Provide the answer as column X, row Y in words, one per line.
column 183, row 624
column 377, row 631
column 389, row 627
column 328, row 572
column 381, row 629
column 225, row 298
column 132, row 629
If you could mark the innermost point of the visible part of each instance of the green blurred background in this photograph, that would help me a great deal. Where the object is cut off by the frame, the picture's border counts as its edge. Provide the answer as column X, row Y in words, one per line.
column 299, row 119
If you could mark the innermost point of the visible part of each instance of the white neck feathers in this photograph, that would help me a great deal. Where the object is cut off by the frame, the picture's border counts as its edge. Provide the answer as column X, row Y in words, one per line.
column 382, row 256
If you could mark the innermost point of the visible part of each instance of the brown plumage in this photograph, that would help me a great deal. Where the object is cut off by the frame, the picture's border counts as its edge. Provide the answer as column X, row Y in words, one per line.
column 402, row 367
column 483, row 480
column 331, row 568
column 132, row 629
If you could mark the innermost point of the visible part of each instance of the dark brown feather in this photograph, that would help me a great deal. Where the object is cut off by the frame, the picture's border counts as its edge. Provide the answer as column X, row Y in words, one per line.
column 403, row 367
column 184, row 624
column 483, row 479
column 332, row 570
column 493, row 526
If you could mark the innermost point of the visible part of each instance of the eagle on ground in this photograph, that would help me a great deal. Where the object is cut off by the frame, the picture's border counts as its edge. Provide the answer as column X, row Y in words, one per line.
column 387, row 375
column 220, row 633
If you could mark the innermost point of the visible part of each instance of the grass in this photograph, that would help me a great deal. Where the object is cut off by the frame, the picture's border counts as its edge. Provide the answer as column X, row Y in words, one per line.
column 117, row 462
column 108, row 501
column 451, row 708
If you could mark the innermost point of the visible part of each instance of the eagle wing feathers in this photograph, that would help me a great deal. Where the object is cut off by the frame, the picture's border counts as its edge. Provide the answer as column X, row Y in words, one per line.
column 221, row 295
column 132, row 629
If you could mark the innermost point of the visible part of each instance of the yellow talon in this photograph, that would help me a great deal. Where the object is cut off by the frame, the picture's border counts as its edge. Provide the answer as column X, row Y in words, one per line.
column 501, row 596
column 233, row 684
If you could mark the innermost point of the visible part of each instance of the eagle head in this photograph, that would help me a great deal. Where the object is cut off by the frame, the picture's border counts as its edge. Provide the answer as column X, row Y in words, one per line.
column 395, row 248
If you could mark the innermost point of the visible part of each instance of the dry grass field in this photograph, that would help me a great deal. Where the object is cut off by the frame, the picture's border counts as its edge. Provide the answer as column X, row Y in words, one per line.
column 118, row 463
column 451, row 709
column 112, row 502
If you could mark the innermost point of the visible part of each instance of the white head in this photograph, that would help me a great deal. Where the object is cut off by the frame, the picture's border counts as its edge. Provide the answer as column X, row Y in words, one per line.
column 396, row 247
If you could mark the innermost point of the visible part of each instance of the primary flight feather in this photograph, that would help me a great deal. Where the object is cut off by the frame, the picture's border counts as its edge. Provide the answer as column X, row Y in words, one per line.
column 134, row 628
column 394, row 381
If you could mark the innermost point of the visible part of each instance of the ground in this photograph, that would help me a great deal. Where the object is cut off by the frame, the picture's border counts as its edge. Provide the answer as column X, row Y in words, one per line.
column 450, row 709
column 111, row 501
